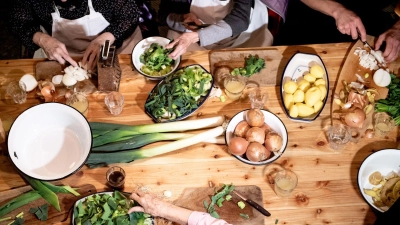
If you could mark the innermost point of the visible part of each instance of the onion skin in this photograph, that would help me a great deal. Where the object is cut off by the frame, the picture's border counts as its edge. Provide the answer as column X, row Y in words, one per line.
column 237, row 146
column 369, row 133
column 273, row 141
column 255, row 117
column 241, row 129
column 355, row 118
column 256, row 152
column 255, row 134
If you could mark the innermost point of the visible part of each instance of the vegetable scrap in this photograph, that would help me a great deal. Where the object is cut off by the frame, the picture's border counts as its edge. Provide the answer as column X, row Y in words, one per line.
column 391, row 104
column 241, row 204
column 226, row 189
column 244, row 215
column 41, row 212
column 253, row 65
column 387, row 191
column 156, row 61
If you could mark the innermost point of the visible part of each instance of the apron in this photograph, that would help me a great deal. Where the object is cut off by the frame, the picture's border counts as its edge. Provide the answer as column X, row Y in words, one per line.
column 77, row 34
column 211, row 11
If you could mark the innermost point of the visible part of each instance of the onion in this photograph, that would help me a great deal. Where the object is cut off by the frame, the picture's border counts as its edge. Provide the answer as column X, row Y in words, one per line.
column 255, row 117
column 266, row 128
column 369, row 133
column 255, row 134
column 47, row 93
column 29, row 81
column 241, row 128
column 256, row 152
column 354, row 118
column 237, row 146
column 273, row 141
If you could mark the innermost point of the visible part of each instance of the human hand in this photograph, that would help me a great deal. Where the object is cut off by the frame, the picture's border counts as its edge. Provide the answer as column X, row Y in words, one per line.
column 54, row 49
column 149, row 204
column 182, row 43
column 91, row 55
column 191, row 18
column 347, row 22
column 392, row 38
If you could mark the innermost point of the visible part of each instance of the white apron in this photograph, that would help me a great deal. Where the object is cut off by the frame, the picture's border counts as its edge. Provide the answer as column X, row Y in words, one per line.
column 77, row 34
column 211, row 11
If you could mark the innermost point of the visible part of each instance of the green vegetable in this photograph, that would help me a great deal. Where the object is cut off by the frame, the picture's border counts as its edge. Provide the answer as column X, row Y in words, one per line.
column 228, row 197
column 391, row 104
column 179, row 94
column 253, row 65
column 241, row 204
column 60, row 189
column 276, row 221
column 44, row 191
column 19, row 201
column 215, row 199
column 244, row 215
column 5, row 219
column 156, row 61
column 17, row 221
column 41, row 212
column 222, row 98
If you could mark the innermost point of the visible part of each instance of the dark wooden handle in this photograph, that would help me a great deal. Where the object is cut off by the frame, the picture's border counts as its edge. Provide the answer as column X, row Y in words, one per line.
column 258, row 207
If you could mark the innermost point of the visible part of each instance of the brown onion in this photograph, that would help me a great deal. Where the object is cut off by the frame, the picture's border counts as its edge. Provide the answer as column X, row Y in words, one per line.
column 255, row 134
column 266, row 128
column 273, row 141
column 354, row 118
column 241, row 128
column 369, row 133
column 255, row 117
column 237, row 146
column 256, row 152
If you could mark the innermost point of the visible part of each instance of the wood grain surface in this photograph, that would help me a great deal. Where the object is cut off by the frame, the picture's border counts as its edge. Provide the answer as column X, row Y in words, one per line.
column 327, row 191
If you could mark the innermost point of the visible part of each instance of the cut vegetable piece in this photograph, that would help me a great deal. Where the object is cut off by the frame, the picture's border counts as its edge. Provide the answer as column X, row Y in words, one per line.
column 44, row 191
column 19, row 201
column 29, row 81
column 382, row 78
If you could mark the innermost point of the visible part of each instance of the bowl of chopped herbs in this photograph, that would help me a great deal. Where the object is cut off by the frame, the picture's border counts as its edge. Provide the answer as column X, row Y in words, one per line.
column 180, row 94
column 150, row 58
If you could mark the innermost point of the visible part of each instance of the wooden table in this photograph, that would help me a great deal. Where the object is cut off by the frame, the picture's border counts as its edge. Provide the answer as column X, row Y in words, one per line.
column 327, row 191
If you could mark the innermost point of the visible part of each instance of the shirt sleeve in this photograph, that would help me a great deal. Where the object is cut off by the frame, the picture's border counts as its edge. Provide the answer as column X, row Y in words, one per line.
column 201, row 218
column 239, row 18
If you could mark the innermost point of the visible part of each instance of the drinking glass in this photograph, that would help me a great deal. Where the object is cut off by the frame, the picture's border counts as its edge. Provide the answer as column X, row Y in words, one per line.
column 258, row 97
column 234, row 86
column 338, row 136
column 79, row 102
column 114, row 102
column 17, row 91
column 383, row 124
column 116, row 177
column 285, row 182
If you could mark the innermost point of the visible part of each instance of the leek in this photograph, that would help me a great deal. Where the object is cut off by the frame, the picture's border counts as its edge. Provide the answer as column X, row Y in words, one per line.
column 44, row 191
column 19, row 201
column 105, row 133
column 98, row 159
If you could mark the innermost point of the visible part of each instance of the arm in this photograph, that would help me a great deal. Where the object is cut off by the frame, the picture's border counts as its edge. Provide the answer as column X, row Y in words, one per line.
column 347, row 22
column 392, row 38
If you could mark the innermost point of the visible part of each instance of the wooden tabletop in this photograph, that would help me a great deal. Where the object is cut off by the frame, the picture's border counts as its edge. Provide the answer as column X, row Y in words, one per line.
column 327, row 191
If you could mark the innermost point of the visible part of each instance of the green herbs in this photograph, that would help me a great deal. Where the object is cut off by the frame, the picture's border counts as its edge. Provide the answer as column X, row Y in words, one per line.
column 108, row 209
column 253, row 65
column 218, row 198
column 179, row 94
column 41, row 212
column 156, row 61
column 391, row 104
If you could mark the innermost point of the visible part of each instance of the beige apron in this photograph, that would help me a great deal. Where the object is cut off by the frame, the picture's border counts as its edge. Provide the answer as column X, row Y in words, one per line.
column 77, row 34
column 211, row 11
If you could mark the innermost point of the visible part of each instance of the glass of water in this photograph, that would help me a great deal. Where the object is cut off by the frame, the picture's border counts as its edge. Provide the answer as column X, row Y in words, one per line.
column 338, row 136
column 114, row 102
column 258, row 97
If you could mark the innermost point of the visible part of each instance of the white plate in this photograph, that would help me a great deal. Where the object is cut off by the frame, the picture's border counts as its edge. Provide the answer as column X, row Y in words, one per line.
column 297, row 66
column 142, row 46
column 384, row 161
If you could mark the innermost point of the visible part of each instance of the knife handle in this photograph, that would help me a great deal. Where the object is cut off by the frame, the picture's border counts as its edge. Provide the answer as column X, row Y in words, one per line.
column 258, row 207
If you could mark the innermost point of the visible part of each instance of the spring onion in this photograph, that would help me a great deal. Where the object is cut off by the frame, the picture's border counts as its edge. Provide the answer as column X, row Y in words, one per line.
column 98, row 159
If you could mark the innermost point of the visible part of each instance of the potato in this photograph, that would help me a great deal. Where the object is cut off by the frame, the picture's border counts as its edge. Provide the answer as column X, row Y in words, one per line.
column 288, row 100
column 312, row 96
column 303, row 85
column 317, row 71
column 298, row 96
column 290, row 87
column 319, row 82
column 310, row 78
column 323, row 90
column 294, row 111
column 304, row 110
column 318, row 106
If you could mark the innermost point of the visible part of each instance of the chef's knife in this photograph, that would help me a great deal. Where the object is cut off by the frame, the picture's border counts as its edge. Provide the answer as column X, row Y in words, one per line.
column 254, row 204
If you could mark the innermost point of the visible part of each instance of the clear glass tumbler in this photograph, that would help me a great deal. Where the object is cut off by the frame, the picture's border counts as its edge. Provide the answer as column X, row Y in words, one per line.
column 17, row 91
column 285, row 182
column 234, row 86
column 338, row 136
column 258, row 97
column 383, row 124
column 79, row 102
column 114, row 102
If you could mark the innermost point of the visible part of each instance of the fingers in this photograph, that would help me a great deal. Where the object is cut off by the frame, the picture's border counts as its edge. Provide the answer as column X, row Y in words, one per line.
column 379, row 41
column 135, row 209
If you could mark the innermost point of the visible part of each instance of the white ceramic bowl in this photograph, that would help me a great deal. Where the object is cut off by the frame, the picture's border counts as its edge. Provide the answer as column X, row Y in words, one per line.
column 294, row 70
column 142, row 46
column 49, row 141
column 384, row 161
column 272, row 120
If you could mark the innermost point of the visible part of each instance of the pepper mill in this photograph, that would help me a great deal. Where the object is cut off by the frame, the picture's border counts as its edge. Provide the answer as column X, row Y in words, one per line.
column 108, row 68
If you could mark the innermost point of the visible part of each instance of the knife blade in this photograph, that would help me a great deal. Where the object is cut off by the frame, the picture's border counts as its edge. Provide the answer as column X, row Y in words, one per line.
column 193, row 24
column 253, row 204
column 364, row 42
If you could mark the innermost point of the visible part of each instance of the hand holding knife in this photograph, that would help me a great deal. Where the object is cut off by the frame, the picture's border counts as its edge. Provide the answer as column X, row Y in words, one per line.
column 253, row 204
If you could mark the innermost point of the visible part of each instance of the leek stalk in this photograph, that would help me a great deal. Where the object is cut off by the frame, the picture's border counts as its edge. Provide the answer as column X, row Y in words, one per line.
column 118, row 132
column 98, row 159
column 44, row 191
column 19, row 201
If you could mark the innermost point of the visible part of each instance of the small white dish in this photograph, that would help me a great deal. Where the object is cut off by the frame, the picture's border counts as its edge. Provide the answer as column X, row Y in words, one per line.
column 49, row 141
column 297, row 66
column 385, row 161
column 142, row 46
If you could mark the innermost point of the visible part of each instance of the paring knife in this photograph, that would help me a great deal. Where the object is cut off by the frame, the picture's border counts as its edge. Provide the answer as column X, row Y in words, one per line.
column 254, row 204
column 364, row 42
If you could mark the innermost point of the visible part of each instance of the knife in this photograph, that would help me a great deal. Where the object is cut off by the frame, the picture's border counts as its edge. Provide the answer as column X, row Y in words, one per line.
column 364, row 42
column 254, row 204
column 193, row 24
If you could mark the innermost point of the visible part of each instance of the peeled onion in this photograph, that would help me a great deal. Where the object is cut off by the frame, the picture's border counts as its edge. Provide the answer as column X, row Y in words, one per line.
column 255, row 134
column 382, row 78
column 354, row 118
column 255, row 117
column 273, row 141
column 241, row 128
column 237, row 146
column 29, row 81
column 256, row 152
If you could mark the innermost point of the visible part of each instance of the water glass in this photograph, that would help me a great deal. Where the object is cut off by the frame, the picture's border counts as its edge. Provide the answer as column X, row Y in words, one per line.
column 116, row 177
column 258, row 97
column 114, row 102
column 285, row 182
column 79, row 102
column 383, row 124
column 338, row 136
column 234, row 86
column 17, row 91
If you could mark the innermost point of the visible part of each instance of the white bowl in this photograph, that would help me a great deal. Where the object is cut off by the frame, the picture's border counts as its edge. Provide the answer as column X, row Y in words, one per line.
column 49, row 141
column 384, row 161
column 272, row 120
column 142, row 46
column 299, row 64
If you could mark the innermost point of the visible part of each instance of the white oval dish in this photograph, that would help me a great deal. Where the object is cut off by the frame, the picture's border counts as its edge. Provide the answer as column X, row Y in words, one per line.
column 49, row 141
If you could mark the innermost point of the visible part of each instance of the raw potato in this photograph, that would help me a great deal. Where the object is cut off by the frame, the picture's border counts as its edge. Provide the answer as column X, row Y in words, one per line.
column 318, row 106
column 323, row 90
column 298, row 96
column 310, row 78
column 304, row 110
column 303, row 85
column 312, row 96
column 317, row 71
column 319, row 82
column 288, row 100
column 290, row 87
column 294, row 111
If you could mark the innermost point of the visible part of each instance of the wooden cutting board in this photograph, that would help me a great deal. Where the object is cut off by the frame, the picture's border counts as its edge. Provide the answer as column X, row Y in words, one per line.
column 232, row 58
column 193, row 198
column 66, row 203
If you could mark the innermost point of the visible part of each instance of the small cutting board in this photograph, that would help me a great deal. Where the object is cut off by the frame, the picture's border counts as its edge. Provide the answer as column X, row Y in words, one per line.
column 66, row 203
column 227, row 59
column 193, row 198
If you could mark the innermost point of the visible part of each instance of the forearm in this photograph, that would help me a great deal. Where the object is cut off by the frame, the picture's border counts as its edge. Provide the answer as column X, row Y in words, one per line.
column 328, row 7
column 175, row 214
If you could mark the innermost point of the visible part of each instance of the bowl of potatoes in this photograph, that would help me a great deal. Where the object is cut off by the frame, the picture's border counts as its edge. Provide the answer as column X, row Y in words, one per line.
column 304, row 87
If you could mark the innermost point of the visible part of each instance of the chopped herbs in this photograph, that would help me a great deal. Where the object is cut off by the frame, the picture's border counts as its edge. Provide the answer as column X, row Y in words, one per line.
column 216, row 199
column 156, row 61
column 253, row 65
column 41, row 212
column 17, row 221
column 391, row 104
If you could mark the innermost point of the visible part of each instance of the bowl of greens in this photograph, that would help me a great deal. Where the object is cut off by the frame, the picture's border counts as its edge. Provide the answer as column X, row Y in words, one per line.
column 180, row 94
column 150, row 58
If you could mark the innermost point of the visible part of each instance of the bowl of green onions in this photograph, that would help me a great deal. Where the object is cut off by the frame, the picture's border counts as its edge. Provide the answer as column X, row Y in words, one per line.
column 150, row 58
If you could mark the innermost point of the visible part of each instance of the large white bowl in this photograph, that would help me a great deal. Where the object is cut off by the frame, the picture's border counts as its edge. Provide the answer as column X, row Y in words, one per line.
column 384, row 161
column 272, row 120
column 142, row 46
column 49, row 141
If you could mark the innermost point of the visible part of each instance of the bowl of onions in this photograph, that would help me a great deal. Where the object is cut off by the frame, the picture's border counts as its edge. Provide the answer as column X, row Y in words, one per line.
column 256, row 136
